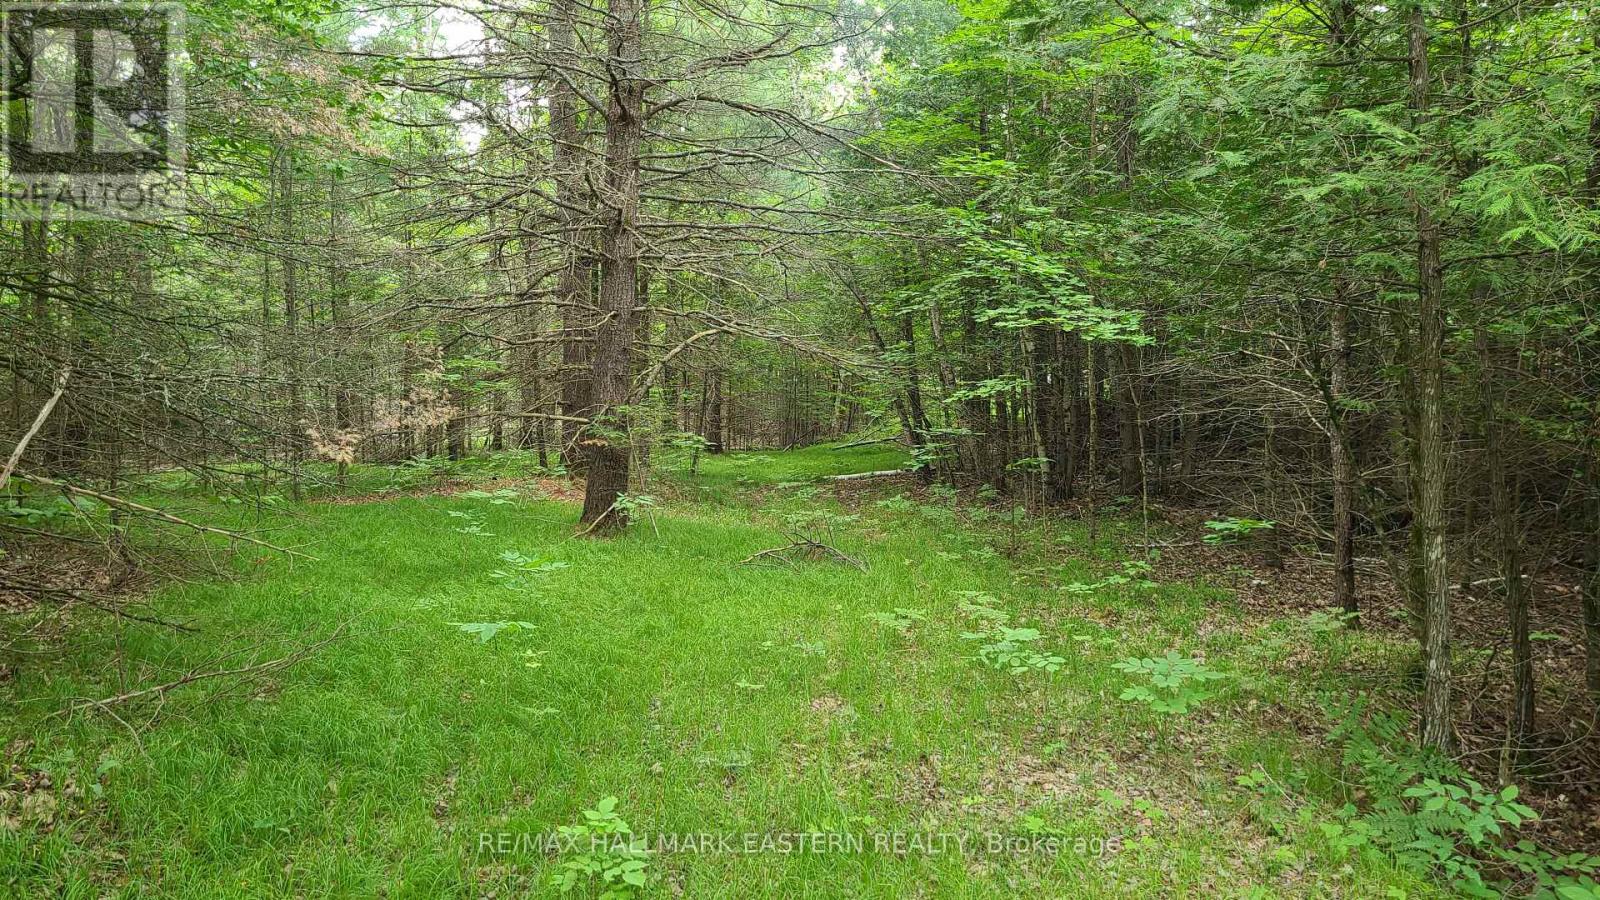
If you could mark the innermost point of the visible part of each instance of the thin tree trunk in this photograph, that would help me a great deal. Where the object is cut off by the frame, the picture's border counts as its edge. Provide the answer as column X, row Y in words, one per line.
column 712, row 430
column 1091, row 492
column 1122, row 377
column 1591, row 587
column 1341, row 20
column 947, row 375
column 574, row 284
column 900, row 400
column 291, row 323
column 1127, row 371
column 1342, row 457
column 1428, row 372
column 1591, row 456
column 914, row 409
column 1503, row 503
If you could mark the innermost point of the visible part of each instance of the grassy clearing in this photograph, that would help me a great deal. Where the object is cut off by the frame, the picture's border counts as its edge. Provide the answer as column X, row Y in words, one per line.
column 705, row 695
column 802, row 465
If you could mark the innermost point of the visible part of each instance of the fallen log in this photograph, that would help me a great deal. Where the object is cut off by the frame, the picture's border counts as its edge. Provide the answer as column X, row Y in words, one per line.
column 884, row 474
column 870, row 441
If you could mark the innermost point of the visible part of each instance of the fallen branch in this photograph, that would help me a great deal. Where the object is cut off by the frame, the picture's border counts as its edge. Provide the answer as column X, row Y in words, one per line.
column 38, row 423
column 812, row 549
column 87, row 600
column 110, row 500
column 884, row 474
column 868, row 442
column 271, row 665
column 597, row 520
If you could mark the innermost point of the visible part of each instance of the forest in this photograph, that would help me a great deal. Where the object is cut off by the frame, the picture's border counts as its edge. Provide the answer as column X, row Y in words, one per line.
column 800, row 448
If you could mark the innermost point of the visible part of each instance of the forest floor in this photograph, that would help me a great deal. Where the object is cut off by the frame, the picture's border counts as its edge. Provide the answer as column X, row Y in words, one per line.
column 492, row 677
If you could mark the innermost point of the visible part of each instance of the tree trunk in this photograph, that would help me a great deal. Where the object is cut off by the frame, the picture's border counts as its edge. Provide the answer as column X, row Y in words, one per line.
column 1503, row 503
column 1050, row 411
column 1427, row 371
column 914, row 410
column 36, row 267
column 1342, row 457
column 1091, row 489
column 712, row 431
column 900, row 400
column 947, row 375
column 1591, row 587
column 1591, row 457
column 1341, row 18
column 295, row 429
column 1123, row 384
column 343, row 414
column 1072, row 413
column 606, row 439
column 1127, row 370
column 575, row 282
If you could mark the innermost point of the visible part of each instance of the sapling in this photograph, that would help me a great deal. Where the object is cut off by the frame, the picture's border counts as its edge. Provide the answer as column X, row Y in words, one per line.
column 1175, row 683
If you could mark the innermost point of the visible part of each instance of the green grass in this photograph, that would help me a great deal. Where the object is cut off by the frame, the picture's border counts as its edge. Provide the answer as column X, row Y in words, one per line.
column 800, row 465
column 706, row 695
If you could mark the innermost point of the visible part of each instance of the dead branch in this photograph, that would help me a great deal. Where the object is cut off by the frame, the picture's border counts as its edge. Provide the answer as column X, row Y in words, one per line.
column 38, row 423
column 806, row 548
column 111, row 500
column 71, row 596
column 869, row 442
column 268, row 667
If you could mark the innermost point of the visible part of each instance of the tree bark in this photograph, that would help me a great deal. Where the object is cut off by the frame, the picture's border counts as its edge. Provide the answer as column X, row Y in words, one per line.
column 1122, row 376
column 1428, row 372
column 295, row 431
column 606, row 439
column 1341, row 456
column 343, row 413
column 1341, row 17
column 1591, row 456
column 574, row 285
column 1044, row 348
column 1591, row 587
column 712, row 417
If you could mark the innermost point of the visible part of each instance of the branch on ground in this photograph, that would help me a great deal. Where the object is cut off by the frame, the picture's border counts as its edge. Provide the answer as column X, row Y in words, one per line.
column 801, row 547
